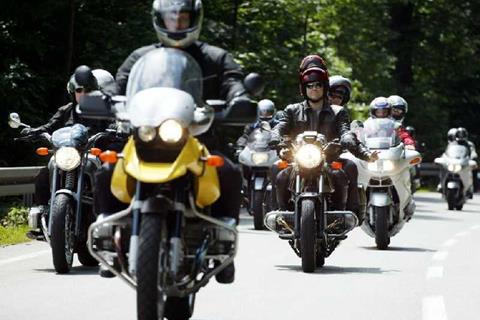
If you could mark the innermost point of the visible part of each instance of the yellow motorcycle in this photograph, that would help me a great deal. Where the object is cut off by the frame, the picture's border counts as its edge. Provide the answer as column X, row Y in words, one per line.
column 165, row 244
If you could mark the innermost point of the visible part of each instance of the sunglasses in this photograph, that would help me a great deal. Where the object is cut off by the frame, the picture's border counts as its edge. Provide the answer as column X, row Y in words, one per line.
column 314, row 85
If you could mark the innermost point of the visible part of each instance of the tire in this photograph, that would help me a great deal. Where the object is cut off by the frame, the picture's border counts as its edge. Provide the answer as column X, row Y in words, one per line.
column 62, row 238
column 381, row 227
column 308, row 236
column 150, row 301
column 257, row 207
column 320, row 260
column 451, row 198
column 85, row 257
column 179, row 308
column 459, row 207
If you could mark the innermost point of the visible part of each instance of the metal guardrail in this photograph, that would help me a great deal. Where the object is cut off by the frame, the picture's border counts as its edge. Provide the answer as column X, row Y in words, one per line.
column 16, row 181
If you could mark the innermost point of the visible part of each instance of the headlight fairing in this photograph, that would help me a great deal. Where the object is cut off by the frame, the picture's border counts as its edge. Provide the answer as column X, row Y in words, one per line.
column 147, row 133
column 309, row 156
column 454, row 167
column 381, row 166
column 171, row 131
column 67, row 158
column 259, row 157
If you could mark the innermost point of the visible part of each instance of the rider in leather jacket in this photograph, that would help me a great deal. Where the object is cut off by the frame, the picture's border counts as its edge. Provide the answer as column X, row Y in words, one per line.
column 317, row 114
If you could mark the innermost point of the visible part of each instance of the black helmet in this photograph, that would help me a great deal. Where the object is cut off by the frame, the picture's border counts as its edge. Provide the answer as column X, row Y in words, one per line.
column 462, row 134
column 177, row 22
column 410, row 130
column 452, row 134
column 90, row 82
column 266, row 109
column 340, row 86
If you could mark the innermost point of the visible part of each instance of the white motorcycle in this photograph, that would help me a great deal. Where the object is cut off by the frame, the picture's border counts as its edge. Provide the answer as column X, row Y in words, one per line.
column 256, row 160
column 456, row 180
column 386, row 182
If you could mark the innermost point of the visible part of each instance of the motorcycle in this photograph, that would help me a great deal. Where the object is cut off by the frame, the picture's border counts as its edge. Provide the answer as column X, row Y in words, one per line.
column 456, row 180
column 385, row 183
column 165, row 245
column 256, row 159
column 312, row 230
column 64, row 224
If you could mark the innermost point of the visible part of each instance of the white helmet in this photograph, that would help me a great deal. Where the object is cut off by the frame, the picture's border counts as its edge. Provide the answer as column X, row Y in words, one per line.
column 399, row 107
column 104, row 79
column 380, row 103
column 265, row 109
column 177, row 22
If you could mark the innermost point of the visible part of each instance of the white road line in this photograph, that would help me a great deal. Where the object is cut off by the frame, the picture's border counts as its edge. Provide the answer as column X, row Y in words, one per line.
column 450, row 242
column 23, row 257
column 440, row 255
column 475, row 227
column 435, row 272
column 434, row 308
column 461, row 234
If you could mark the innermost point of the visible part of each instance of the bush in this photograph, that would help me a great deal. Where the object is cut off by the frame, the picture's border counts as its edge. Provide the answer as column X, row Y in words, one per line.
column 16, row 216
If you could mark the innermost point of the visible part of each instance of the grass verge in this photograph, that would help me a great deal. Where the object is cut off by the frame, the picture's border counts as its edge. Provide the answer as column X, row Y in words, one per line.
column 13, row 235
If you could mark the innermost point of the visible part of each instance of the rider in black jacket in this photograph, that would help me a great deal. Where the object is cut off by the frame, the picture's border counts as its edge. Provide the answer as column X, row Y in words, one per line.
column 177, row 24
column 317, row 114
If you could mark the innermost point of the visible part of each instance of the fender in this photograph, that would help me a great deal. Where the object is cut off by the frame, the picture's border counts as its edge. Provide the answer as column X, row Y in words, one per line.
column 258, row 183
column 380, row 199
column 453, row 185
column 67, row 192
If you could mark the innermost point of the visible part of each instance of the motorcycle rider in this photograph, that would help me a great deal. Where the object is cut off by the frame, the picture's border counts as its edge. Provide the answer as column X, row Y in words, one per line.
column 317, row 114
column 340, row 90
column 265, row 113
column 66, row 116
column 177, row 24
column 381, row 108
column 399, row 111
column 452, row 135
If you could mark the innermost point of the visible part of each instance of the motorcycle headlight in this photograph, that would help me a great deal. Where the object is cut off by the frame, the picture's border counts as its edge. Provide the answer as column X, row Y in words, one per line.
column 454, row 167
column 67, row 158
column 170, row 131
column 309, row 156
column 147, row 133
column 381, row 165
column 259, row 157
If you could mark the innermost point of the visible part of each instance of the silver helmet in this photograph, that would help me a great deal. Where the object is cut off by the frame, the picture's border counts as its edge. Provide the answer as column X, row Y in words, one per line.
column 177, row 22
column 399, row 107
column 265, row 109
column 380, row 103
column 104, row 79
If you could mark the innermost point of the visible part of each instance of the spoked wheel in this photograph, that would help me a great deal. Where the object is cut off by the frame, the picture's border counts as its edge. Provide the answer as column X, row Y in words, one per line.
column 381, row 227
column 150, row 298
column 62, row 238
column 307, row 236
column 257, row 207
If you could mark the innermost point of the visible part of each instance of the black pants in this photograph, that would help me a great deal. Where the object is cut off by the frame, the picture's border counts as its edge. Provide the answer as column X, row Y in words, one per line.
column 42, row 187
column 228, row 205
column 345, row 183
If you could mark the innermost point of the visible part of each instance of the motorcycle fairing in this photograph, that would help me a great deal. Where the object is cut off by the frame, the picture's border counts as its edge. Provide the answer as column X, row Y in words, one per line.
column 207, row 188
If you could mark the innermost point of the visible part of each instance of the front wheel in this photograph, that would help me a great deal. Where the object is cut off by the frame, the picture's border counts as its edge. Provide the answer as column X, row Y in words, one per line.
column 62, row 238
column 308, row 236
column 382, row 238
column 257, row 207
column 179, row 308
column 451, row 198
column 150, row 298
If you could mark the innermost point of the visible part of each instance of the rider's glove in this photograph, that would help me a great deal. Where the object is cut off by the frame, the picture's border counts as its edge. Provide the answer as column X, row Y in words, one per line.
column 30, row 131
column 349, row 140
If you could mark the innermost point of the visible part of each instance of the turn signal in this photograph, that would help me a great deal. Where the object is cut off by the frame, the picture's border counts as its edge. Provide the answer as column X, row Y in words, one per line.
column 336, row 165
column 109, row 156
column 416, row 160
column 95, row 151
column 215, row 161
column 42, row 151
column 282, row 164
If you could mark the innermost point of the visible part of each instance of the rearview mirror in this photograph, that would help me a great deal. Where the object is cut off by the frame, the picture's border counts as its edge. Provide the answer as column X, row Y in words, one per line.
column 15, row 122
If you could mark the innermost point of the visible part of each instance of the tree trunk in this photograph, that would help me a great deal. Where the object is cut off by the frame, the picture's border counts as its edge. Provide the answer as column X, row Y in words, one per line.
column 71, row 30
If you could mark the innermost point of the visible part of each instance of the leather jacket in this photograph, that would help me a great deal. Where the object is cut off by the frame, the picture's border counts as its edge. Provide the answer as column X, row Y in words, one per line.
column 332, row 121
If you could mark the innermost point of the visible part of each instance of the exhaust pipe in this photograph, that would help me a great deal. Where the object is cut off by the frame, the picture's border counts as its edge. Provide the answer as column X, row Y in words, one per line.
column 279, row 220
column 345, row 220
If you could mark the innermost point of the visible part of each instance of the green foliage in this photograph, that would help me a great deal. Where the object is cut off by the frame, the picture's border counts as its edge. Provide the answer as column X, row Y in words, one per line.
column 16, row 216
column 13, row 235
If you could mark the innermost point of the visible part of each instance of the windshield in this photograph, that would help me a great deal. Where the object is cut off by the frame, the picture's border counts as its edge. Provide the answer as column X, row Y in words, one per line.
column 379, row 133
column 166, row 68
column 456, row 151
column 74, row 136
column 258, row 139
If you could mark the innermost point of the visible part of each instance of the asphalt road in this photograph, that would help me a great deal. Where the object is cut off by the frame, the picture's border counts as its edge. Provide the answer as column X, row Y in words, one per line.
column 430, row 272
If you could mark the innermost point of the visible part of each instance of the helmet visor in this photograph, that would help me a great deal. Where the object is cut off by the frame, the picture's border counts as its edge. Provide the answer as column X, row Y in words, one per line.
column 398, row 113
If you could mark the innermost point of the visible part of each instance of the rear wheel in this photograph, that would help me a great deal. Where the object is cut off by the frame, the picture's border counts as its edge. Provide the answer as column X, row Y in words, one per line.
column 85, row 257
column 381, row 227
column 257, row 206
column 150, row 298
column 62, row 238
column 308, row 236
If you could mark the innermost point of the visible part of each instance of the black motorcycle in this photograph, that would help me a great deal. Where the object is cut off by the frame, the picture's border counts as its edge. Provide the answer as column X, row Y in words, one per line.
column 71, row 167
column 311, row 228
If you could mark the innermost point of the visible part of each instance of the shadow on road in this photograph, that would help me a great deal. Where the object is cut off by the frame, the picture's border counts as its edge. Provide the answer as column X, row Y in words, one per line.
column 404, row 249
column 439, row 218
column 428, row 199
column 78, row 270
column 335, row 270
